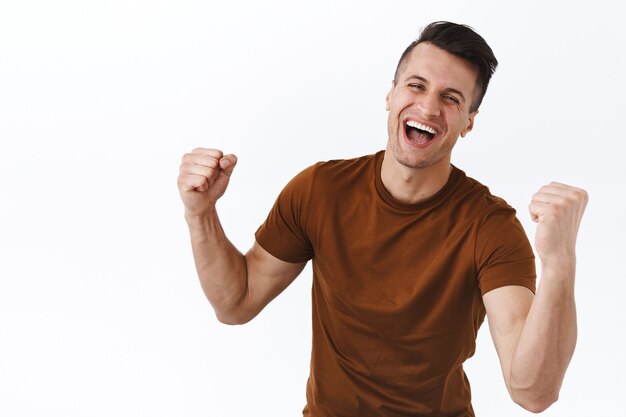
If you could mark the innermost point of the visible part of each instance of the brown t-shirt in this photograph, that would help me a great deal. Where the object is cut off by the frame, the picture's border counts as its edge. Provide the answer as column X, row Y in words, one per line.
column 396, row 288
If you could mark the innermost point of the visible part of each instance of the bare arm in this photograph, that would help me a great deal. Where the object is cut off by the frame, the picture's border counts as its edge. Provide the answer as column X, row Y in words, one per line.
column 237, row 286
column 535, row 336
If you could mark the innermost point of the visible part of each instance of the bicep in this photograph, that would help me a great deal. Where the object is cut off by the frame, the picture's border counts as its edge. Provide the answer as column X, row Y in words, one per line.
column 268, row 276
column 507, row 308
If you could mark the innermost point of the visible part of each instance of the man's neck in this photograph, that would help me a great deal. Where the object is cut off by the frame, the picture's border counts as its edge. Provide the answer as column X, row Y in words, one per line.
column 412, row 185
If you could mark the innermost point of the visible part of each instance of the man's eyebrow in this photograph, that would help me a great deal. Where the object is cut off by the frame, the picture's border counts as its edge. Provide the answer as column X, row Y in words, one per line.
column 448, row 89
column 416, row 77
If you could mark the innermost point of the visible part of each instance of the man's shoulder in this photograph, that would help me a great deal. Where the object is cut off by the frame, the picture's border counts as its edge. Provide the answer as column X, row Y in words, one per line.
column 342, row 170
column 334, row 175
column 479, row 197
column 347, row 163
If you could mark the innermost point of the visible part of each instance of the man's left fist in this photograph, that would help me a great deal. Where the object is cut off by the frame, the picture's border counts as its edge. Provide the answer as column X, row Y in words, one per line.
column 557, row 209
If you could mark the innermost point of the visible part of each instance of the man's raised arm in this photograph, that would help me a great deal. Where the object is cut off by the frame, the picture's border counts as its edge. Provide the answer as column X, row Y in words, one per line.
column 237, row 286
column 535, row 336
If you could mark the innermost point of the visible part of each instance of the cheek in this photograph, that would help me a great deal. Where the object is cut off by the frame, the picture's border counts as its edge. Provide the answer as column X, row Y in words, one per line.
column 392, row 122
column 459, row 119
column 467, row 124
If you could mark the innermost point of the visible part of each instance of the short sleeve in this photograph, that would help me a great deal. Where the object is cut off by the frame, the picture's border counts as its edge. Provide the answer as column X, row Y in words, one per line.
column 503, row 253
column 283, row 232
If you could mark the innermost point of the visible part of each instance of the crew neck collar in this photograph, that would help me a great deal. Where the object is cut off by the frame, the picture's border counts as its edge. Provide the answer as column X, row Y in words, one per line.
column 388, row 199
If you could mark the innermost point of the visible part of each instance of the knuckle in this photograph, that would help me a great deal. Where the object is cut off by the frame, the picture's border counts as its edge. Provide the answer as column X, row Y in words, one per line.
column 573, row 196
column 197, row 182
column 216, row 153
column 209, row 171
column 212, row 163
column 185, row 168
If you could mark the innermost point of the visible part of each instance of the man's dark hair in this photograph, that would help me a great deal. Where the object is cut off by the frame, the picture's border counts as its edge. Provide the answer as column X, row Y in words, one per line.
column 461, row 41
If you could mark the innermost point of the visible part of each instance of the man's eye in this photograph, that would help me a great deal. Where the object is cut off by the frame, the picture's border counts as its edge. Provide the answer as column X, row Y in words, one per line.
column 451, row 98
column 416, row 86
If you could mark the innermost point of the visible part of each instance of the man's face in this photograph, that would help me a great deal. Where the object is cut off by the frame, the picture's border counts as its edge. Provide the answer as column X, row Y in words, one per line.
column 429, row 106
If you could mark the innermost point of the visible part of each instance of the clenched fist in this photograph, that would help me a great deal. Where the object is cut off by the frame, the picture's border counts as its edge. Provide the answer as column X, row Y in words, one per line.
column 203, row 178
column 557, row 209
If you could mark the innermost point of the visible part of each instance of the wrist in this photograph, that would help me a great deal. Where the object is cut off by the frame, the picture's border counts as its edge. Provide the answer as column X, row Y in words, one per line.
column 561, row 268
column 199, row 217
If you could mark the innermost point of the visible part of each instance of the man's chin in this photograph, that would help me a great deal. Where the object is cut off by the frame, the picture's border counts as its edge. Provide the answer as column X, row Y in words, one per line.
column 414, row 164
column 411, row 161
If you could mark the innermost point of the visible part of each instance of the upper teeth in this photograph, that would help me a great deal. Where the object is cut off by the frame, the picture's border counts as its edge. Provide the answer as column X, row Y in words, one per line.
column 420, row 126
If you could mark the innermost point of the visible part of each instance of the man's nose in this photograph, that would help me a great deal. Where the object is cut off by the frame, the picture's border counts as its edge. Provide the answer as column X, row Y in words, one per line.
column 428, row 104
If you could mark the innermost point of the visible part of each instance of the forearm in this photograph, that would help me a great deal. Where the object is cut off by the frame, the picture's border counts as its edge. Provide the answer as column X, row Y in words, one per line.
column 221, row 267
column 548, row 339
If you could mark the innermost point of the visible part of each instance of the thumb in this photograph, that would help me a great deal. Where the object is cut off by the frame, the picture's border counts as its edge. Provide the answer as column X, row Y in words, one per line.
column 227, row 164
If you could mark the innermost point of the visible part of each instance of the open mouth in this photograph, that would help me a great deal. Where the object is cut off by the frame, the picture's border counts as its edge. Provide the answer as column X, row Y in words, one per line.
column 418, row 133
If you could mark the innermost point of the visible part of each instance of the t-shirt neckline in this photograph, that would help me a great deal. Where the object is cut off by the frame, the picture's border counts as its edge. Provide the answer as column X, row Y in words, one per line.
column 388, row 199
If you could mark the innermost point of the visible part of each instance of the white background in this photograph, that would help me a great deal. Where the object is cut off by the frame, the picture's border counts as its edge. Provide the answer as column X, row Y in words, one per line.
column 101, row 313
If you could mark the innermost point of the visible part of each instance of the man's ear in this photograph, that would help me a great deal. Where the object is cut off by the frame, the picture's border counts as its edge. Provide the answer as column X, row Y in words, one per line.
column 388, row 98
column 470, row 124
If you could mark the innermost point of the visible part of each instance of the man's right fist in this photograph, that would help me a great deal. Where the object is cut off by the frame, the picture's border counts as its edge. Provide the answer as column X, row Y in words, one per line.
column 203, row 178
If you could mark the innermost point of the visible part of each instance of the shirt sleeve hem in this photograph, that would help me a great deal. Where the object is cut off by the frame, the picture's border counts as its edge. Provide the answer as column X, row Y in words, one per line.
column 275, row 251
column 497, row 283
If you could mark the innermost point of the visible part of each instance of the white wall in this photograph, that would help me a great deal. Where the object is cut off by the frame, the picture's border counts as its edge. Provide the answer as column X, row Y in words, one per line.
column 101, row 313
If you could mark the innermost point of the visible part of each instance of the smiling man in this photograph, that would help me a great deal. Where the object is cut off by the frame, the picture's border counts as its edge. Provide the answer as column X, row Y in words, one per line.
column 409, row 254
